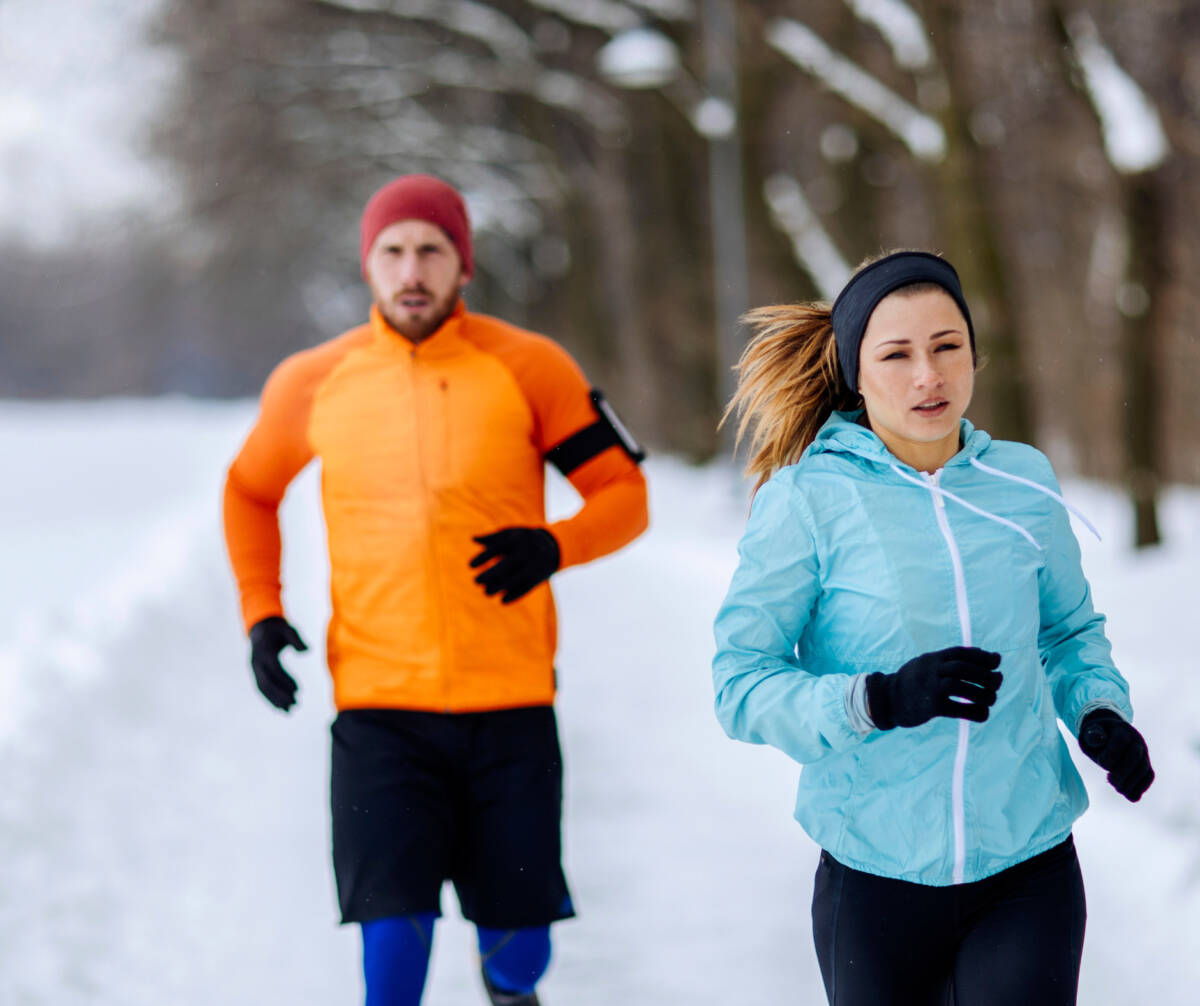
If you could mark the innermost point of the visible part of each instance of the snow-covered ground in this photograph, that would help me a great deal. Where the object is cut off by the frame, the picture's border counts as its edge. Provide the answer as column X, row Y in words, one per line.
column 163, row 831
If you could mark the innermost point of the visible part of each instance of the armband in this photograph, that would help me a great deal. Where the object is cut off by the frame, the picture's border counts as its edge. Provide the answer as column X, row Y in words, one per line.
column 607, row 431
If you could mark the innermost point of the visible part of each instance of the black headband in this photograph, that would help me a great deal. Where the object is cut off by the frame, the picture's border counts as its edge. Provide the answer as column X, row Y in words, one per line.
column 867, row 287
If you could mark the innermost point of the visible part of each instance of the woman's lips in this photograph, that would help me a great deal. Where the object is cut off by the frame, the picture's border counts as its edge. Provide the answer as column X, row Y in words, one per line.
column 932, row 408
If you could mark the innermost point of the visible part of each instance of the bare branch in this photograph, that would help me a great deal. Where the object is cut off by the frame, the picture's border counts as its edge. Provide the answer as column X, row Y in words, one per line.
column 921, row 134
column 477, row 21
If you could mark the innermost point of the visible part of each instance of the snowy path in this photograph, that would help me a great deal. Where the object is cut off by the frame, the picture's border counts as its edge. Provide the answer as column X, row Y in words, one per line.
column 163, row 832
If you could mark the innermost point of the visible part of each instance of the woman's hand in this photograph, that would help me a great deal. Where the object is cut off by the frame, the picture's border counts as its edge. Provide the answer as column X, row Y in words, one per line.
column 960, row 682
column 1116, row 746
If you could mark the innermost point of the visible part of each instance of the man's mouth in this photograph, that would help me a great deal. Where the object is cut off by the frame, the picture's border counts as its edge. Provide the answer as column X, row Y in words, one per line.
column 413, row 301
column 933, row 407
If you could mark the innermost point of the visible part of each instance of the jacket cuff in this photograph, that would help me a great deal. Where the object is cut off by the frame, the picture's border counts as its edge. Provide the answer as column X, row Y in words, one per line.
column 1091, row 707
column 837, row 727
column 857, row 713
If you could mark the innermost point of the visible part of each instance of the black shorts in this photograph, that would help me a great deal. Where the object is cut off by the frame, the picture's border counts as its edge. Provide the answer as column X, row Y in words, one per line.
column 474, row 798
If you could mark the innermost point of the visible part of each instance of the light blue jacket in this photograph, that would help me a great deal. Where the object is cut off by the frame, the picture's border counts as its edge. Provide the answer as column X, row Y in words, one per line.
column 853, row 562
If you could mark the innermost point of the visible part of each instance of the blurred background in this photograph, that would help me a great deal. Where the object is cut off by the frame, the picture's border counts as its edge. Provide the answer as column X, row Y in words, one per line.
column 180, row 185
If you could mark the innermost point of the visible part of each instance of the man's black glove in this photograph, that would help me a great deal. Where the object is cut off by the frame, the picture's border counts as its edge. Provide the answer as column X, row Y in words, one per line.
column 267, row 638
column 923, row 688
column 1116, row 746
column 527, row 556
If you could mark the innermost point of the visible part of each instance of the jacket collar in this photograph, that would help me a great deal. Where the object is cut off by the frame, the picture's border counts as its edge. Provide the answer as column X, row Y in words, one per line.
column 842, row 433
column 441, row 342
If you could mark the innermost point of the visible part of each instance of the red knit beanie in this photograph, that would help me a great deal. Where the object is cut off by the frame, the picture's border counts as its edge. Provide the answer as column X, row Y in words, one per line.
column 418, row 197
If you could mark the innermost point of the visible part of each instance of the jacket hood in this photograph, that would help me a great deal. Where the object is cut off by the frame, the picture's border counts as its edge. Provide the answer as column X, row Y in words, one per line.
column 842, row 433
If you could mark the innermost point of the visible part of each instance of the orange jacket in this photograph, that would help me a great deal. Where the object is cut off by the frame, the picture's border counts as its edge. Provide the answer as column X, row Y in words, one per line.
column 422, row 447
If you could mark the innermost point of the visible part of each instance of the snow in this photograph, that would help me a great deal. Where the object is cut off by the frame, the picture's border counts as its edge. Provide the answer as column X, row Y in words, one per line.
column 76, row 92
column 812, row 246
column 901, row 26
column 639, row 58
column 714, row 118
column 1133, row 134
column 163, row 831
column 922, row 135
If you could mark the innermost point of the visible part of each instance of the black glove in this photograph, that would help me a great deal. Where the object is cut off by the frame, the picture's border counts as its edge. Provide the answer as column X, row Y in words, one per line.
column 267, row 638
column 923, row 687
column 1116, row 746
column 528, row 555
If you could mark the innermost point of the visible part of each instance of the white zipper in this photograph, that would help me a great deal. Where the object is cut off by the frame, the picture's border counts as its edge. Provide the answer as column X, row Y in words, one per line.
column 964, row 622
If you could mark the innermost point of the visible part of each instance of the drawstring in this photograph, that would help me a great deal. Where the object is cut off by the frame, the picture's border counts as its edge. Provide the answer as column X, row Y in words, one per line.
column 934, row 487
column 1041, row 488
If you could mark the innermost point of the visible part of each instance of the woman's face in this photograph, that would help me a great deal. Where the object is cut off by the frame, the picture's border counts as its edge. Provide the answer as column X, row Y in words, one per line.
column 916, row 375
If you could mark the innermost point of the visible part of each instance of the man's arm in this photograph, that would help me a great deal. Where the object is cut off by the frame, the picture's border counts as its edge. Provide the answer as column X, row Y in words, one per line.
column 614, row 512
column 274, row 452
column 615, row 508
column 575, row 430
column 582, row 436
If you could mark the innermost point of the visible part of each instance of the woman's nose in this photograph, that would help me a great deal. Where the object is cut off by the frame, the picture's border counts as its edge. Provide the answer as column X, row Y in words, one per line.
column 928, row 374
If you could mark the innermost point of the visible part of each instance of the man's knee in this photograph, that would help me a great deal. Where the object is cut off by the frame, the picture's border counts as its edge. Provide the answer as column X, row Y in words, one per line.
column 515, row 959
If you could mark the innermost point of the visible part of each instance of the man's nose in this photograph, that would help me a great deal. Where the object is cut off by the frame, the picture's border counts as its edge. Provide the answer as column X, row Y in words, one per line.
column 409, row 271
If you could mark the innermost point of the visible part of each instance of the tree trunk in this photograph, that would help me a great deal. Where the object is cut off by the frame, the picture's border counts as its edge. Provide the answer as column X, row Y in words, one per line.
column 1141, row 303
column 967, row 201
column 726, row 201
column 614, row 221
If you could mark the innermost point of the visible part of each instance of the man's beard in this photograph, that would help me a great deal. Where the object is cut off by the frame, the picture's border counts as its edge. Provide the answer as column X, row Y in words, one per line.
column 420, row 328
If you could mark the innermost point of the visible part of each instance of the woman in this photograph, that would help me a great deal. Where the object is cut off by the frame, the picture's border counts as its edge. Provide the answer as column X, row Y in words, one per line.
column 909, row 620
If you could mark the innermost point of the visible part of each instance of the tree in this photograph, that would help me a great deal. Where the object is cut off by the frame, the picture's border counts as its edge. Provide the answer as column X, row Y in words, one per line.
column 1137, row 149
column 855, row 126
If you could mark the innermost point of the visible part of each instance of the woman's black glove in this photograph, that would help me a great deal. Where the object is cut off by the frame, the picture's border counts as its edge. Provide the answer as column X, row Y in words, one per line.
column 527, row 556
column 1116, row 746
column 925, row 687
column 267, row 638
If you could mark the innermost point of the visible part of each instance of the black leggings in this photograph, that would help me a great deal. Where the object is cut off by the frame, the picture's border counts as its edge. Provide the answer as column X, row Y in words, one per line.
column 1016, row 937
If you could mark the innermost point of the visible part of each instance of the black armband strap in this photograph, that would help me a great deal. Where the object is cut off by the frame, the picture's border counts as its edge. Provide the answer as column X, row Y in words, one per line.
column 607, row 431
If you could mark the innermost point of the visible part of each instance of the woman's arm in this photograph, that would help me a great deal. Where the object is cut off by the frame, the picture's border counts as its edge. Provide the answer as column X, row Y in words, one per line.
column 763, row 695
column 1075, row 651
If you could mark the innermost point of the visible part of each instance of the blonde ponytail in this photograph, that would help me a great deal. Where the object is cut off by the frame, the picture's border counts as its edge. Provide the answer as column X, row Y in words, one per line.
column 788, row 384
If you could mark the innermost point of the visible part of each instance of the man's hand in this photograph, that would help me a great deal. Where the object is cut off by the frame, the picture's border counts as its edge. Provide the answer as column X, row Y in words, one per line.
column 1116, row 746
column 267, row 638
column 960, row 682
column 527, row 556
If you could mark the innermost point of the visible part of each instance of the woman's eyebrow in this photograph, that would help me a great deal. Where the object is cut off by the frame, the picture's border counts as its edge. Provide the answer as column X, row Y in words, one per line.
column 933, row 335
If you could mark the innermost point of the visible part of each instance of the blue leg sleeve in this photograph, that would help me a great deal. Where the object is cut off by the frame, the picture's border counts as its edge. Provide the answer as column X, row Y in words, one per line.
column 515, row 959
column 396, row 958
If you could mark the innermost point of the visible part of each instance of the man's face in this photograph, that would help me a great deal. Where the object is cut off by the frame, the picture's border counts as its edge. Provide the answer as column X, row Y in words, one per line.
column 415, row 275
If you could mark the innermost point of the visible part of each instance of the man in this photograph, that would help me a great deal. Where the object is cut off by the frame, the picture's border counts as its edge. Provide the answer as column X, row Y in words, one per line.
column 432, row 425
